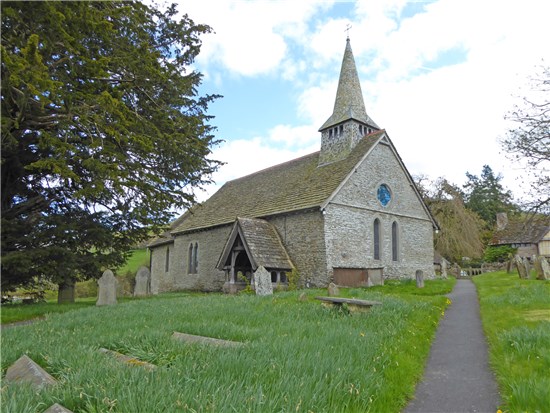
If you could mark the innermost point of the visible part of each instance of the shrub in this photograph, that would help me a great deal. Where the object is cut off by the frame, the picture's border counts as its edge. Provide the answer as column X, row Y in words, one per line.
column 498, row 254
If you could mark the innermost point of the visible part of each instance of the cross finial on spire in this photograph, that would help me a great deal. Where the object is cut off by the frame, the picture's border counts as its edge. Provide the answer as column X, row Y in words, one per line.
column 348, row 28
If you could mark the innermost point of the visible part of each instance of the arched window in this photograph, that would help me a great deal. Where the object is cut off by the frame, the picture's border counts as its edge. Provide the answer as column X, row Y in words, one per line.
column 394, row 242
column 196, row 258
column 376, row 239
column 190, row 259
column 167, row 261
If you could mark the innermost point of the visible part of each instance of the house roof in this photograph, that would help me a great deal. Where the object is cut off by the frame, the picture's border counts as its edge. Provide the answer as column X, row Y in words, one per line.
column 523, row 231
column 349, row 102
column 292, row 186
column 261, row 242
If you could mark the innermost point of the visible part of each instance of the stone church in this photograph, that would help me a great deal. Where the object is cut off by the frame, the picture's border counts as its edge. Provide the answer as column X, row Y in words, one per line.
column 349, row 214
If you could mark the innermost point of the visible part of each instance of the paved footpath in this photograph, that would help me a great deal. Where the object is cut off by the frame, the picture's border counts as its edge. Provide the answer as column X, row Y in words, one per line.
column 457, row 377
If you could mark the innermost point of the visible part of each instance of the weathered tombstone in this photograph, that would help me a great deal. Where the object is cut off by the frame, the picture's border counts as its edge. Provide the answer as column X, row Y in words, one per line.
column 57, row 408
column 542, row 268
column 302, row 297
column 520, row 267
column 419, row 278
column 107, row 289
column 262, row 282
column 509, row 265
column 25, row 370
column 333, row 290
column 444, row 268
column 143, row 282
column 527, row 265
column 545, row 268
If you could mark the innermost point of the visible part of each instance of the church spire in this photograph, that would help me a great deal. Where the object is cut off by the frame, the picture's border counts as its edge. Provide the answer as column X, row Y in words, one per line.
column 349, row 121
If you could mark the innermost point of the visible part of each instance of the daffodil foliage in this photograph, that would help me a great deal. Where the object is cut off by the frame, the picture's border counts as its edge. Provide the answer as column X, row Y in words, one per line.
column 103, row 132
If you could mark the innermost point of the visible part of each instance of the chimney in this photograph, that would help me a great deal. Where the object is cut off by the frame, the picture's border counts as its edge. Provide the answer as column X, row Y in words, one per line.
column 502, row 221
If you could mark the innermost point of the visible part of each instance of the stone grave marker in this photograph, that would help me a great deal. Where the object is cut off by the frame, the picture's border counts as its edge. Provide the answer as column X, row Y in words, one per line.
column 127, row 359
column 143, row 282
column 375, row 277
column 193, row 339
column 542, row 268
column 443, row 268
column 333, row 290
column 522, row 271
column 527, row 265
column 302, row 297
column 25, row 370
column 262, row 282
column 57, row 408
column 419, row 278
column 107, row 289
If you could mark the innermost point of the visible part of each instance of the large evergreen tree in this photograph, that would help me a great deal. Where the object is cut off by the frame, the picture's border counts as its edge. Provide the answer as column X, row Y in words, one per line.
column 486, row 196
column 103, row 132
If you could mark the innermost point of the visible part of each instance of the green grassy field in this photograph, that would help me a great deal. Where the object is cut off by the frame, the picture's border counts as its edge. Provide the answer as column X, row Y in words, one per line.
column 299, row 356
column 516, row 320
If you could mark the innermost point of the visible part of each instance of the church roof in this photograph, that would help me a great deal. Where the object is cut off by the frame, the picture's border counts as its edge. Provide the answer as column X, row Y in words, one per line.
column 262, row 244
column 292, row 186
column 349, row 102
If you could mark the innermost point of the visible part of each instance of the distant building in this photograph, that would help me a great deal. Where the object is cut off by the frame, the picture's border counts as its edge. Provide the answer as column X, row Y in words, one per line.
column 530, row 235
column 349, row 213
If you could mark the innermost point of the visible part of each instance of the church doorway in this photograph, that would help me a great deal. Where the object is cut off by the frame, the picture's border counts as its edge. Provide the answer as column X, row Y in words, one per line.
column 242, row 268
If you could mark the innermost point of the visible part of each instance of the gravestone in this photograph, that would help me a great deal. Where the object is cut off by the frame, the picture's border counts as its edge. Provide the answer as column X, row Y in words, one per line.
column 25, row 370
column 520, row 267
column 107, row 289
column 262, row 282
column 143, row 282
column 444, row 268
column 527, row 265
column 419, row 278
column 302, row 297
column 57, row 408
column 333, row 290
column 542, row 268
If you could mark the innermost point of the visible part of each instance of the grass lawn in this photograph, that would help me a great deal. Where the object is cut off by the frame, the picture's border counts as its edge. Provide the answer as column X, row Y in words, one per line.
column 299, row 356
column 516, row 320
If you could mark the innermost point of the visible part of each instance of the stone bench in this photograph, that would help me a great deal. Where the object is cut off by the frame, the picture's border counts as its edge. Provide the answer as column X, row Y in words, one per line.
column 352, row 303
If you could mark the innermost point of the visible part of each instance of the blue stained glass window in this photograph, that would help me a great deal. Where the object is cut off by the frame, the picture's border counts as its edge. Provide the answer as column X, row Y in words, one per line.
column 384, row 194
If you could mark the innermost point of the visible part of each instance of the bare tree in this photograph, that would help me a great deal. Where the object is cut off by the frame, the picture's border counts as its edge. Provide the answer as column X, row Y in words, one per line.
column 529, row 141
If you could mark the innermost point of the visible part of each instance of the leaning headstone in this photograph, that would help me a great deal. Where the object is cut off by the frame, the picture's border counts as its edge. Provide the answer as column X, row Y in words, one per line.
column 143, row 282
column 527, row 265
column 444, row 268
column 419, row 278
column 25, row 370
column 333, row 290
column 57, row 408
column 520, row 267
column 262, row 282
column 302, row 297
column 107, row 289
column 542, row 268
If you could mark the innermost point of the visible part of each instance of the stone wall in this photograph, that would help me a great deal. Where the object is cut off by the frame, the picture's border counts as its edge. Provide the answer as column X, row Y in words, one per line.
column 349, row 220
column 303, row 237
column 208, row 277
column 162, row 280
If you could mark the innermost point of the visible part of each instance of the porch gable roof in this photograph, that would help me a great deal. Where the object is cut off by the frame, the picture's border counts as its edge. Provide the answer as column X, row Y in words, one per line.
column 261, row 242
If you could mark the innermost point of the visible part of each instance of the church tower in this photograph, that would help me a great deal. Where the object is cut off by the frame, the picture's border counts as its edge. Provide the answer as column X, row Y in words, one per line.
column 349, row 121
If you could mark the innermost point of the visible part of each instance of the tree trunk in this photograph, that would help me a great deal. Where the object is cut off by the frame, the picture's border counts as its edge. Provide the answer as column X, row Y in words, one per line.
column 66, row 292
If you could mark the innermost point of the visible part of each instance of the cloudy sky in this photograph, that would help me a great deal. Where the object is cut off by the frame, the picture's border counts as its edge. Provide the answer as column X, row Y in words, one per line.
column 439, row 76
